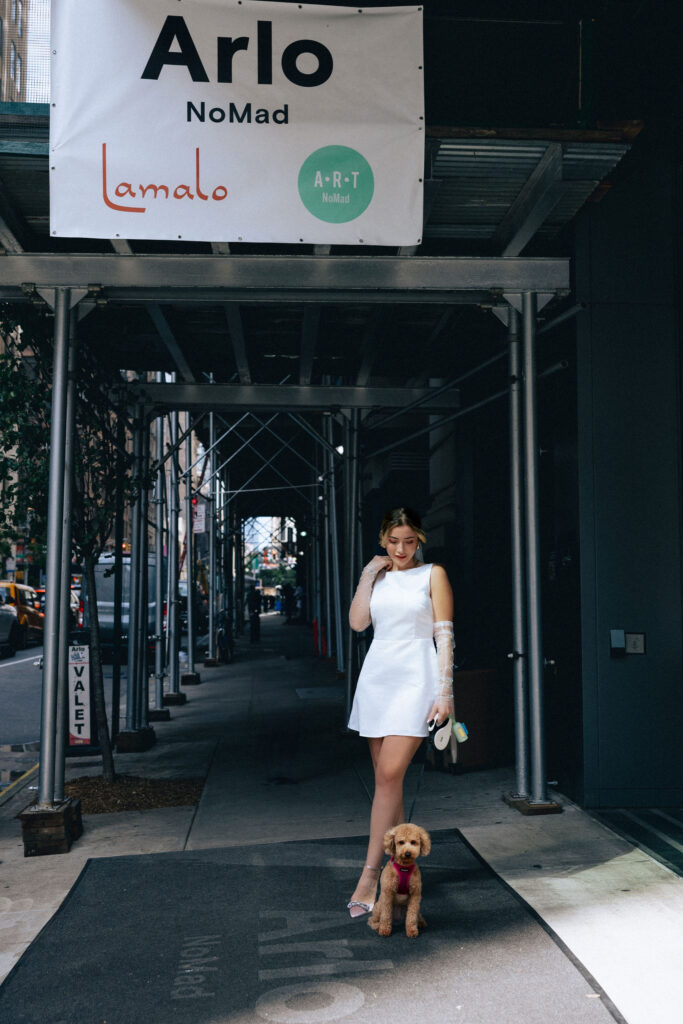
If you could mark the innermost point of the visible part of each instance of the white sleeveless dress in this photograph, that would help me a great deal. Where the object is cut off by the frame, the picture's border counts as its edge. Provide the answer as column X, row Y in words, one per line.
column 399, row 679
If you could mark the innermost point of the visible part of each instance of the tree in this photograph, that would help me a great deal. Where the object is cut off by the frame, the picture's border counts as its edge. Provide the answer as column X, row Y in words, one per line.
column 101, row 467
column 100, row 464
column 277, row 577
column 24, row 434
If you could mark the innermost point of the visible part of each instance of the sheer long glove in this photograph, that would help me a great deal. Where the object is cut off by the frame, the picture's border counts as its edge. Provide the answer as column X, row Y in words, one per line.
column 445, row 649
column 359, row 612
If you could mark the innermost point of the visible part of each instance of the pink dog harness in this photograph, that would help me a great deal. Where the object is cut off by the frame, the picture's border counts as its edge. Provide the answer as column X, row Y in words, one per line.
column 403, row 876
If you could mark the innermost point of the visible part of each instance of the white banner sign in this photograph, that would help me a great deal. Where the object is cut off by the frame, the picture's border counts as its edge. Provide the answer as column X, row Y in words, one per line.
column 79, row 696
column 199, row 518
column 236, row 120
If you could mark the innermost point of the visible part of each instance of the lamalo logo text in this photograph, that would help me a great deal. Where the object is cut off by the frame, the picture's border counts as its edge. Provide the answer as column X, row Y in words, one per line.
column 175, row 46
column 128, row 190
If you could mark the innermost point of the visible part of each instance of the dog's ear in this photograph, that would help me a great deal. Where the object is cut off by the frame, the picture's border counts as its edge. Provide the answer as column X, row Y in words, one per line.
column 389, row 841
column 425, row 842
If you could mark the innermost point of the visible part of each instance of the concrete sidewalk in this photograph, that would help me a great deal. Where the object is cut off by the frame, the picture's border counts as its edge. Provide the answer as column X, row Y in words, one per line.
column 267, row 733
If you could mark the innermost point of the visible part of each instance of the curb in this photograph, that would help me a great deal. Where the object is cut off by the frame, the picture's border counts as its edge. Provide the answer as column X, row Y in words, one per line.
column 18, row 784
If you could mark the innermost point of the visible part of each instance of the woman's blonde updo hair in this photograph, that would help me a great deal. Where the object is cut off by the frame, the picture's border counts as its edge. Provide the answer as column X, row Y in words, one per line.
column 401, row 517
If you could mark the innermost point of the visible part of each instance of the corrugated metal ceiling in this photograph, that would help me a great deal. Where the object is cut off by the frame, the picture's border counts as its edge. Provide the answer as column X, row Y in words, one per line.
column 480, row 180
column 477, row 180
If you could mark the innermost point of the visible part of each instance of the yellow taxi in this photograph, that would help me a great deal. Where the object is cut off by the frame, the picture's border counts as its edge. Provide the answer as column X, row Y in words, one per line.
column 26, row 603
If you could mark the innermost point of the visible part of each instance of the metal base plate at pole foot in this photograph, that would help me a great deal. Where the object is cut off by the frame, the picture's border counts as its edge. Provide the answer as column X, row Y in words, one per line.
column 525, row 805
column 175, row 698
column 47, row 830
column 190, row 679
column 159, row 715
column 135, row 741
column 211, row 662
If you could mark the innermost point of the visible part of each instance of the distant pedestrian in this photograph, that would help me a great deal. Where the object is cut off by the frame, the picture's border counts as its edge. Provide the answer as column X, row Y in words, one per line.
column 299, row 603
column 289, row 602
column 254, row 608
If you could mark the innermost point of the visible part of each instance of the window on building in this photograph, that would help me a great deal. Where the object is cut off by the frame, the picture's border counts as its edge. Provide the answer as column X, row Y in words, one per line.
column 13, row 61
column 2, row 37
column 14, row 10
column 19, row 17
column 17, row 77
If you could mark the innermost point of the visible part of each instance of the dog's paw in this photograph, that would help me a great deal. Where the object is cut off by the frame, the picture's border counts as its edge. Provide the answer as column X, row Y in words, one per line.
column 412, row 931
column 373, row 924
column 384, row 929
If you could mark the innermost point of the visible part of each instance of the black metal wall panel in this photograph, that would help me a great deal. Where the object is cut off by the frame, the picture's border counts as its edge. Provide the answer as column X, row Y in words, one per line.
column 629, row 483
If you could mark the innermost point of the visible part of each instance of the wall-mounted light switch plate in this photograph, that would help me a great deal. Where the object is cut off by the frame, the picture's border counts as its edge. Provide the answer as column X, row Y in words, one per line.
column 635, row 643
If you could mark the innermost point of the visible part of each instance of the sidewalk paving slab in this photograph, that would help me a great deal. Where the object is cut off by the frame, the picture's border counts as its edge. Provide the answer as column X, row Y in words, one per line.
column 214, row 935
column 280, row 766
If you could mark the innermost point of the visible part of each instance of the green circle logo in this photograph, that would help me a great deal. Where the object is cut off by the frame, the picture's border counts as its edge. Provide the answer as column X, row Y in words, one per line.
column 336, row 184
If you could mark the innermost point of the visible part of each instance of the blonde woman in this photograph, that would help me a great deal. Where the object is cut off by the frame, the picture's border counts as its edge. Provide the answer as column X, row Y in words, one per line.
column 405, row 681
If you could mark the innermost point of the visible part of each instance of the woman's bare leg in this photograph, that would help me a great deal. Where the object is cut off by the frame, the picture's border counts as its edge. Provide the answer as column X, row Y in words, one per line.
column 391, row 756
column 375, row 748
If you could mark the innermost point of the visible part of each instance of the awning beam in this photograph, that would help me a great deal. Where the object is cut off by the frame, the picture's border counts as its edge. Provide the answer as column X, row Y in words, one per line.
column 288, row 397
column 284, row 278
column 540, row 194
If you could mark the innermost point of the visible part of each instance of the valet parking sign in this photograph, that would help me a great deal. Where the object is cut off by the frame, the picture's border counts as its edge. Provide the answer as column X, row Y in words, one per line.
column 223, row 120
column 80, row 715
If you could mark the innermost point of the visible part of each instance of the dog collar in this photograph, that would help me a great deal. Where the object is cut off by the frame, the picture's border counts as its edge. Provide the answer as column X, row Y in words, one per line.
column 403, row 876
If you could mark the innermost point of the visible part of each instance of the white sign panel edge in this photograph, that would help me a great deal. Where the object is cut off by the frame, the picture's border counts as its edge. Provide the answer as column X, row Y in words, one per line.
column 221, row 121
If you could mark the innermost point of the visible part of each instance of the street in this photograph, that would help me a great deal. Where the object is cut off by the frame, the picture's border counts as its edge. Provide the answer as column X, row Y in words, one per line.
column 20, row 693
column 20, row 708
column 20, row 697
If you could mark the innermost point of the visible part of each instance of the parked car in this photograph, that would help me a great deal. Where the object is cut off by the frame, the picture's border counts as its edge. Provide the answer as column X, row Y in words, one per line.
column 29, row 616
column 9, row 630
column 74, row 603
column 105, row 586
column 201, row 618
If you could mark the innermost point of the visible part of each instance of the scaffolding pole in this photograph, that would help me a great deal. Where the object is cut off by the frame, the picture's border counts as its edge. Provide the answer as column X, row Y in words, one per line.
column 118, row 589
column 133, row 665
column 351, row 438
column 211, row 650
column 159, row 563
column 189, row 552
column 65, row 603
column 317, row 595
column 328, row 575
column 519, row 646
column 172, row 600
column 336, row 575
column 48, row 715
column 533, row 568
column 142, row 701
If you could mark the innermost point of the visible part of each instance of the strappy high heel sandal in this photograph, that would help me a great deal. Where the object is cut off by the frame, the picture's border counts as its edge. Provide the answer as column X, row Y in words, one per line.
column 357, row 908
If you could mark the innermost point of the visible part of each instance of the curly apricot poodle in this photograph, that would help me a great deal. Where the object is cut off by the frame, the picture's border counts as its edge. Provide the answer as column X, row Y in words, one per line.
column 401, row 880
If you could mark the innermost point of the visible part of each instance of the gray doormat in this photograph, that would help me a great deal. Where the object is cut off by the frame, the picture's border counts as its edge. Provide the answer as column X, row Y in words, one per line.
column 260, row 933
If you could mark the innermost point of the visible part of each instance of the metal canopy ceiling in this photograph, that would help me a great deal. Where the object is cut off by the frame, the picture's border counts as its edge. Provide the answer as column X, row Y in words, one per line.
column 482, row 182
column 293, row 318
column 472, row 182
